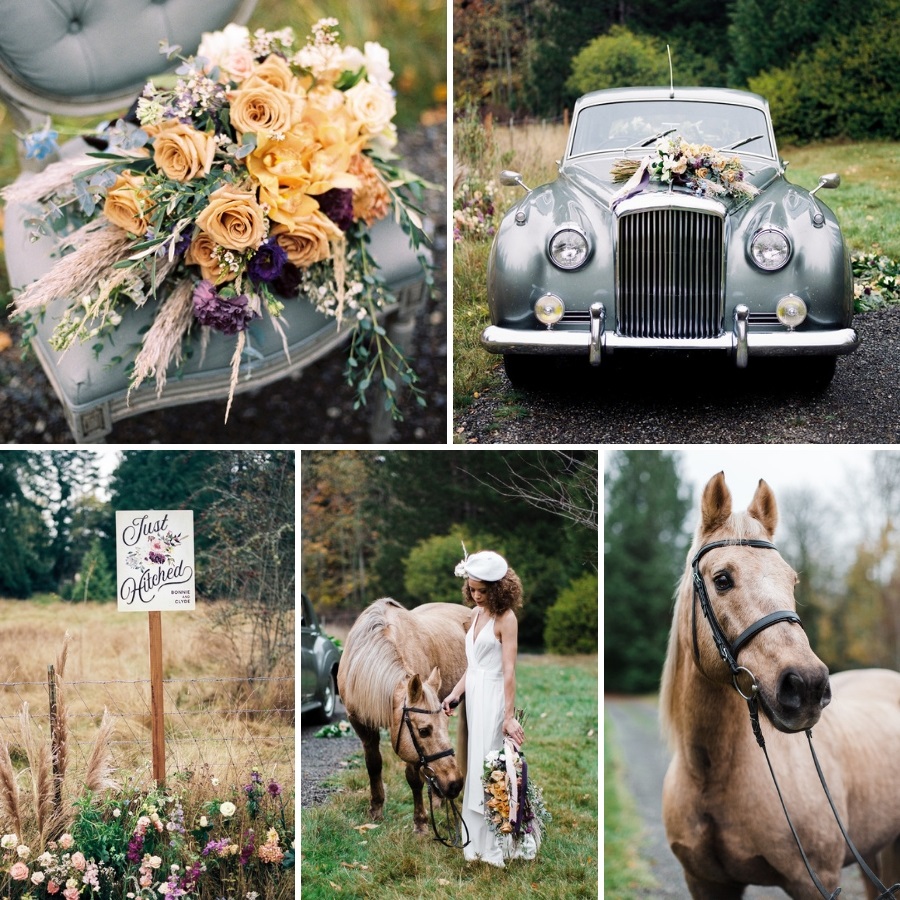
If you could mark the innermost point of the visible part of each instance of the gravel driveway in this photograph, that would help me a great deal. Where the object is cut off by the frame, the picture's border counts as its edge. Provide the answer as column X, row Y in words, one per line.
column 701, row 400
column 320, row 758
column 645, row 758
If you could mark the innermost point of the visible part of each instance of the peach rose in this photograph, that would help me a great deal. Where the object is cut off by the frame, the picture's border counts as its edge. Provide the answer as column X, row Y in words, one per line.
column 275, row 72
column 201, row 253
column 233, row 219
column 18, row 871
column 264, row 108
column 306, row 241
column 127, row 204
column 78, row 861
column 182, row 153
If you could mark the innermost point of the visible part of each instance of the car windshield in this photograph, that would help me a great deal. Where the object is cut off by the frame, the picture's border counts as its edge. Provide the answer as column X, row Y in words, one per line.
column 635, row 126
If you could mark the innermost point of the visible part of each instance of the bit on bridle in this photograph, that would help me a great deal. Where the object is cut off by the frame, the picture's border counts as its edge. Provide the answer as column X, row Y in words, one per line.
column 729, row 650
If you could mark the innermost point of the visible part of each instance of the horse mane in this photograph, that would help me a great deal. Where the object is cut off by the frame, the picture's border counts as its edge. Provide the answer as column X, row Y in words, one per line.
column 372, row 664
column 739, row 526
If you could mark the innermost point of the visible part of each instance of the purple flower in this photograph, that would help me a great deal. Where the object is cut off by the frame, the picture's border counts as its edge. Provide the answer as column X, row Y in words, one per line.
column 274, row 788
column 288, row 282
column 155, row 557
column 226, row 314
column 337, row 204
column 268, row 262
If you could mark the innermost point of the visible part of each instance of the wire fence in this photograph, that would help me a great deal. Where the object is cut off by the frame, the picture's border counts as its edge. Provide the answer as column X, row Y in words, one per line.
column 220, row 726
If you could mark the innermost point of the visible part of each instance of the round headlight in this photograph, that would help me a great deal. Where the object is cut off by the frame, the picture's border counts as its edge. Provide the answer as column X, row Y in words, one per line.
column 770, row 249
column 568, row 248
column 791, row 311
column 549, row 309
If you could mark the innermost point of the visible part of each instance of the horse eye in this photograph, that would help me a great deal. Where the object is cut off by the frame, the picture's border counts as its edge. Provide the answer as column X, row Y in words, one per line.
column 723, row 582
column 425, row 732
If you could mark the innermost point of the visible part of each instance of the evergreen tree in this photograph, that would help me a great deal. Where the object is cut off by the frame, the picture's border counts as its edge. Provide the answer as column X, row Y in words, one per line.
column 645, row 547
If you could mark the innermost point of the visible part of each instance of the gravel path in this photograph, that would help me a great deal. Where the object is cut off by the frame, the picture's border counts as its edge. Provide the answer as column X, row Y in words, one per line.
column 701, row 400
column 316, row 406
column 320, row 758
column 645, row 759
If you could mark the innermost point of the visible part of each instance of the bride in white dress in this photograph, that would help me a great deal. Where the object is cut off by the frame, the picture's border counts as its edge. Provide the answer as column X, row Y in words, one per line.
column 489, row 685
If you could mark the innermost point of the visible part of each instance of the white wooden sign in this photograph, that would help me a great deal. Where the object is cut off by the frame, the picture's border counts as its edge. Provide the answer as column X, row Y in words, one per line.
column 155, row 560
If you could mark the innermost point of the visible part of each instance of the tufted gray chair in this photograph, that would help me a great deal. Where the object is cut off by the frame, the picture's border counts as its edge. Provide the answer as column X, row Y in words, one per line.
column 93, row 57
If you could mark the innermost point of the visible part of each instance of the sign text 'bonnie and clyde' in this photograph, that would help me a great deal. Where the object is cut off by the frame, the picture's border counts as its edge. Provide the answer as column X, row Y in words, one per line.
column 155, row 560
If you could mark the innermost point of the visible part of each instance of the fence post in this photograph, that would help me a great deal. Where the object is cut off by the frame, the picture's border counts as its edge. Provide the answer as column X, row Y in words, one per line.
column 157, row 726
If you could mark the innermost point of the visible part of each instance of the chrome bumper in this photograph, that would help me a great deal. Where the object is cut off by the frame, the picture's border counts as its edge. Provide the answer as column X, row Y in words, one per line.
column 740, row 342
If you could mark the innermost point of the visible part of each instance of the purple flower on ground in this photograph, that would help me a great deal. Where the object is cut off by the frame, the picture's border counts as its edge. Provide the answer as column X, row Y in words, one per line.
column 268, row 262
column 337, row 204
column 226, row 314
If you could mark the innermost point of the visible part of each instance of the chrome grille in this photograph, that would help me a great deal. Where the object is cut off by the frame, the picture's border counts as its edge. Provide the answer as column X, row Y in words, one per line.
column 669, row 265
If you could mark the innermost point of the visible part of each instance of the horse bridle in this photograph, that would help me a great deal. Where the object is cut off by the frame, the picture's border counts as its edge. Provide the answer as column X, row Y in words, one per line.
column 729, row 651
column 423, row 767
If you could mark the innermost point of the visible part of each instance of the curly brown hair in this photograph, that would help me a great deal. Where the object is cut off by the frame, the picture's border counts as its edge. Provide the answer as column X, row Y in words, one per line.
column 501, row 595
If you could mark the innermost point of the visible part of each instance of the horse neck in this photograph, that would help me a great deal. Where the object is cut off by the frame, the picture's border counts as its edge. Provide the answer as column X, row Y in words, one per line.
column 703, row 719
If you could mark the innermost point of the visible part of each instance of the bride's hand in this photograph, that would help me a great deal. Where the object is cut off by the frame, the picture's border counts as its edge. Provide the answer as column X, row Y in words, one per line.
column 513, row 729
column 449, row 704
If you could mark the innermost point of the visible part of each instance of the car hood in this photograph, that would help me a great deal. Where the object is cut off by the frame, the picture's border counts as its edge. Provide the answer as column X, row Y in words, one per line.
column 590, row 177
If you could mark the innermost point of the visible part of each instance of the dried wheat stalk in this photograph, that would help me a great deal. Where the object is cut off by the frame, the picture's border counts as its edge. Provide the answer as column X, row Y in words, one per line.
column 99, row 767
column 9, row 789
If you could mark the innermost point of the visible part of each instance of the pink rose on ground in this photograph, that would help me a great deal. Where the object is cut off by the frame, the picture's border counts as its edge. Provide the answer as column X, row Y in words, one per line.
column 52, row 887
column 71, row 893
column 66, row 841
column 78, row 861
column 18, row 871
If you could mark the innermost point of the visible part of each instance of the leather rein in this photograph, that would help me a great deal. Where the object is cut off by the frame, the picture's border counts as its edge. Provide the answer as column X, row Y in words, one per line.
column 729, row 651
column 424, row 769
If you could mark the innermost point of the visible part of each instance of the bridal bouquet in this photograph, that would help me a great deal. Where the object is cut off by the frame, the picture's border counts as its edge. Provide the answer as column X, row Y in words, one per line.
column 245, row 185
column 513, row 803
column 697, row 166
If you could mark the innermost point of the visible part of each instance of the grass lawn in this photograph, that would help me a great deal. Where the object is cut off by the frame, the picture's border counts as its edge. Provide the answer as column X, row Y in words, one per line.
column 390, row 862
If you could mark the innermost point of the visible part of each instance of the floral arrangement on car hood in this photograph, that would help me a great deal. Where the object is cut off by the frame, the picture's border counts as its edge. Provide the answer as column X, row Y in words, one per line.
column 677, row 162
column 247, row 184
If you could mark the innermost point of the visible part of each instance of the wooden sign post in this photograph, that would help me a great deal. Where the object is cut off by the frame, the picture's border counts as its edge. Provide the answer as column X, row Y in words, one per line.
column 155, row 572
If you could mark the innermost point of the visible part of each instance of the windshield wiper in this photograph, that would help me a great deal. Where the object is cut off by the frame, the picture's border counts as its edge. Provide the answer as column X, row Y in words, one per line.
column 748, row 140
column 646, row 142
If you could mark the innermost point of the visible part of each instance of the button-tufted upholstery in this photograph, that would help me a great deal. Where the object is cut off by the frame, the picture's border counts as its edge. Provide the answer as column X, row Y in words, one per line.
column 70, row 56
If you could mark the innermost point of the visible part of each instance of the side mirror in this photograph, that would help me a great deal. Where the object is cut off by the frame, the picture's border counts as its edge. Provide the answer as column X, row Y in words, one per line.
column 509, row 178
column 832, row 180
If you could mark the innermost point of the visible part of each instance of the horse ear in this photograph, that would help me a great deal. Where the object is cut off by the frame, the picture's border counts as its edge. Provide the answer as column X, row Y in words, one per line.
column 414, row 690
column 716, row 503
column 764, row 508
column 434, row 679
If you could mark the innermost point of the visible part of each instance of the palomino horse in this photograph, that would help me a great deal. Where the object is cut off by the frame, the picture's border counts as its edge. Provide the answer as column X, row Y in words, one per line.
column 722, row 813
column 397, row 667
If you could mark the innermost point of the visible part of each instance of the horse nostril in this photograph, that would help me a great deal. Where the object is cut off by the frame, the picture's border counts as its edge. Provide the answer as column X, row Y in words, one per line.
column 791, row 690
column 826, row 694
column 454, row 787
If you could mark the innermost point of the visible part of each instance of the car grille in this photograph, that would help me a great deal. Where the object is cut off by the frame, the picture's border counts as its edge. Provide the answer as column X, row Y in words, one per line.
column 669, row 265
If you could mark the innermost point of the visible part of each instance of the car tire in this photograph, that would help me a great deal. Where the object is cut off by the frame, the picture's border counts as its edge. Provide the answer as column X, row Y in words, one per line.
column 329, row 701
column 818, row 371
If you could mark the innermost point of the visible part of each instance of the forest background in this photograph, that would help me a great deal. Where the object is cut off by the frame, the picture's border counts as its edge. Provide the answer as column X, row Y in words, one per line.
column 393, row 524
column 842, row 539
column 827, row 67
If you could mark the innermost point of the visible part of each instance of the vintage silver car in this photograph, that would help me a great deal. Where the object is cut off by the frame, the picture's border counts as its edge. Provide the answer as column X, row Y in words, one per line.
column 671, row 226
column 319, row 661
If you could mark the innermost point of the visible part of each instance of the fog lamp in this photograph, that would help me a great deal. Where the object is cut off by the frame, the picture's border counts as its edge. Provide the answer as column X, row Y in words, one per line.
column 549, row 309
column 791, row 311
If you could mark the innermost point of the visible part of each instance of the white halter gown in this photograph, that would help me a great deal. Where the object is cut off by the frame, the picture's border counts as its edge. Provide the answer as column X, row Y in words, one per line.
column 484, row 713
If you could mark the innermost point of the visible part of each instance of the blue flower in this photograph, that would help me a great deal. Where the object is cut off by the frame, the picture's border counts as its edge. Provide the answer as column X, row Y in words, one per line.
column 40, row 144
column 268, row 262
